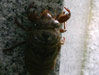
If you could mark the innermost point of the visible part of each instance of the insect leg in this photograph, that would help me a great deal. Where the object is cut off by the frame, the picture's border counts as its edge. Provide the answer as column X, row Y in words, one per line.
column 62, row 30
column 14, row 46
column 64, row 25
column 62, row 41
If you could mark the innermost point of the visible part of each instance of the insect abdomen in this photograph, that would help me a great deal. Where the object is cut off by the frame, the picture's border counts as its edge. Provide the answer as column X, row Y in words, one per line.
column 41, row 51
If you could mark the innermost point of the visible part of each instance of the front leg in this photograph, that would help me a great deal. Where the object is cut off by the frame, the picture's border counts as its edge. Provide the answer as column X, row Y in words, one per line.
column 62, row 18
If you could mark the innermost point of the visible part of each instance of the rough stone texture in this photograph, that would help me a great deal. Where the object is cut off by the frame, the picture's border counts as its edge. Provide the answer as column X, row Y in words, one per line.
column 11, row 63
column 91, row 63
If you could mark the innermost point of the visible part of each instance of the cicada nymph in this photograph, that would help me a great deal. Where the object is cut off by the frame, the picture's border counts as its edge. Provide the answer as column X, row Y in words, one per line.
column 43, row 39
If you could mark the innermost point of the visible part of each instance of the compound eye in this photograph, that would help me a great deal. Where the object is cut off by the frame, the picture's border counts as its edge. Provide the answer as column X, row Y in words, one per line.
column 49, row 15
column 56, row 23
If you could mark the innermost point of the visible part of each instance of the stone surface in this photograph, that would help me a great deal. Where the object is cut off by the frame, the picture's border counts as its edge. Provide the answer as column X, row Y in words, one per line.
column 91, row 64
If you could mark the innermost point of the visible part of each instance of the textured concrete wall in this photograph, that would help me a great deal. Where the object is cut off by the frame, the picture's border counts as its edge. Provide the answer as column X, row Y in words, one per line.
column 91, row 62
column 12, row 63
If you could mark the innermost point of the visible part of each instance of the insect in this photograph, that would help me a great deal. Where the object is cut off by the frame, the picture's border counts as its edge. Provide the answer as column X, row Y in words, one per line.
column 43, row 41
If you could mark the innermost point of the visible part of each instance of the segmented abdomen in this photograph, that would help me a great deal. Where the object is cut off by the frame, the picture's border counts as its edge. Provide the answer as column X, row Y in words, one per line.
column 41, row 51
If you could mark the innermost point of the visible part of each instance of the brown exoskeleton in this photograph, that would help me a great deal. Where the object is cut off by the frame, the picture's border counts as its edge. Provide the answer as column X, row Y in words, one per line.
column 43, row 41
